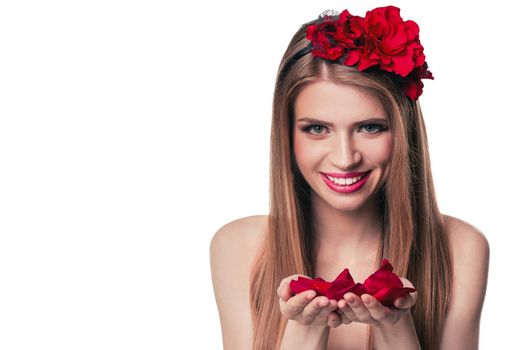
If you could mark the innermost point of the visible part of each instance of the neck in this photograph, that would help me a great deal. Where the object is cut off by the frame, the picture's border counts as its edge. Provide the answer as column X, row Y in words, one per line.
column 347, row 235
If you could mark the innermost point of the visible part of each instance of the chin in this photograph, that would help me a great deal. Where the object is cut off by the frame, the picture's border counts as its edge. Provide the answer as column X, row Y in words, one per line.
column 343, row 203
column 346, row 205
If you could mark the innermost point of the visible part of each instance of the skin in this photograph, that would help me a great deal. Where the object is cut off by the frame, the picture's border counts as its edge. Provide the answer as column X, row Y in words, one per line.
column 347, row 235
column 347, row 225
column 307, row 310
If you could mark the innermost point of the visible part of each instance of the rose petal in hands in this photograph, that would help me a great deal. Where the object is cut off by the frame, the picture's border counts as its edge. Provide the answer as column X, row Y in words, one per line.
column 298, row 302
column 306, row 308
column 408, row 300
column 386, row 286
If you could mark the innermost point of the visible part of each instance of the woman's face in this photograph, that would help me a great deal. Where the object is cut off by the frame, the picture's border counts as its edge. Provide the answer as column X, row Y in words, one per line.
column 348, row 134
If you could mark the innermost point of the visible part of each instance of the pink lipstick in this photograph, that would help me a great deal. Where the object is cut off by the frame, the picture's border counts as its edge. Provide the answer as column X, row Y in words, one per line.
column 346, row 188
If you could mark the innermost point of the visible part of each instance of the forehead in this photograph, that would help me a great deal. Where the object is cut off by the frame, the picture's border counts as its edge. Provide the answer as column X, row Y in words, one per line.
column 337, row 103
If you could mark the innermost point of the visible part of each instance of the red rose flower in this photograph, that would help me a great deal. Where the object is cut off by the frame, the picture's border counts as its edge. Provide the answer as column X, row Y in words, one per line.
column 413, row 85
column 384, row 285
column 382, row 39
column 391, row 42
column 350, row 34
column 322, row 38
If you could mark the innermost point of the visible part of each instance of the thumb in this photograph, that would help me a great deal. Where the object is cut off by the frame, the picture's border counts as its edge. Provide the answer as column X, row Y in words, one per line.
column 284, row 291
column 403, row 302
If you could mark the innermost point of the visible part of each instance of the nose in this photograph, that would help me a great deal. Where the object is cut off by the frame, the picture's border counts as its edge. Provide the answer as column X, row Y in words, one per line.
column 345, row 154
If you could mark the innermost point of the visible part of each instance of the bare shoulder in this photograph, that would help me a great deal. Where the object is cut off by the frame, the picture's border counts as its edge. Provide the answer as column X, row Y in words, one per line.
column 462, row 233
column 470, row 254
column 232, row 251
column 469, row 247
column 243, row 231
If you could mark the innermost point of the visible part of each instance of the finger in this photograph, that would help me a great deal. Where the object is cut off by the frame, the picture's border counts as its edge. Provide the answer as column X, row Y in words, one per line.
column 314, row 308
column 359, row 309
column 343, row 316
column 405, row 302
column 407, row 283
column 378, row 311
column 334, row 319
column 284, row 291
column 296, row 304
column 346, row 310
column 329, row 313
column 328, row 306
column 318, row 311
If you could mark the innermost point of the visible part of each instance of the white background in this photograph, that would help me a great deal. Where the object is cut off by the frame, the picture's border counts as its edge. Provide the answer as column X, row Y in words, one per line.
column 131, row 131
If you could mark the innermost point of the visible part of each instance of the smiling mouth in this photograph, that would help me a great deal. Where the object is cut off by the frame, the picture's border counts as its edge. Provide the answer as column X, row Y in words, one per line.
column 346, row 185
column 346, row 181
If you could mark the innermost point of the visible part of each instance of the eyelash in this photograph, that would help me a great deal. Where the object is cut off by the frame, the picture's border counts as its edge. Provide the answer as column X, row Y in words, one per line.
column 379, row 128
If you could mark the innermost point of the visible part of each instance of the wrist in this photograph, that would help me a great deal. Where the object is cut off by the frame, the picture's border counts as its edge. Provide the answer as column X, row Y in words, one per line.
column 307, row 337
column 401, row 334
column 389, row 327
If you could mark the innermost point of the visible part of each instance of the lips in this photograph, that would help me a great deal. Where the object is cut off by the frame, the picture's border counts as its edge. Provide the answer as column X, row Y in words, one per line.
column 347, row 188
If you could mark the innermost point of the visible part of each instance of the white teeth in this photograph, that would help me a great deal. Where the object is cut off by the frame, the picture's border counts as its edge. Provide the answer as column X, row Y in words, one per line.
column 347, row 181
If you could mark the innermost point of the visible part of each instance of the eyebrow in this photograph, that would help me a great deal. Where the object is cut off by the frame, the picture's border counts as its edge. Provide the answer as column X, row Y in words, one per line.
column 318, row 121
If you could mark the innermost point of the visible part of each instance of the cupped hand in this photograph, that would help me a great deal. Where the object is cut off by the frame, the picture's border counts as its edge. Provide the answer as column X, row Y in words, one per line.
column 305, row 308
column 367, row 309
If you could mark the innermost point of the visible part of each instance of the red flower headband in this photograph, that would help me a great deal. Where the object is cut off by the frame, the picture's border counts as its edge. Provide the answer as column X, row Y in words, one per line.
column 381, row 39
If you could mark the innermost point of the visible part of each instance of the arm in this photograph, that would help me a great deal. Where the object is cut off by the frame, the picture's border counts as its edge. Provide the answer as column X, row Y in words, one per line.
column 470, row 260
column 401, row 335
column 298, row 336
column 309, row 318
column 231, row 254
column 393, row 327
column 470, row 255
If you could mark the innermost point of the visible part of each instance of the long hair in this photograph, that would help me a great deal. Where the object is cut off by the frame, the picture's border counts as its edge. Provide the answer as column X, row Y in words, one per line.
column 414, row 236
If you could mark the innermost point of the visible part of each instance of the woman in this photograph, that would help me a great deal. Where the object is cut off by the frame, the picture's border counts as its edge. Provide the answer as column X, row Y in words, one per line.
column 350, row 184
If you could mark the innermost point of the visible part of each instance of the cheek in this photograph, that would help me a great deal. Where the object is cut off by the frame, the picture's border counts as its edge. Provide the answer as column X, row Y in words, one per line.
column 307, row 154
column 388, row 151
column 384, row 157
column 300, row 157
column 381, row 156
column 383, row 151
column 300, row 150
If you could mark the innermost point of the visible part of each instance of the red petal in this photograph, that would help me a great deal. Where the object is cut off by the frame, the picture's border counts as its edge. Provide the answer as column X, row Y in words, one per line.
column 387, row 296
column 412, row 29
column 359, row 289
column 382, row 278
column 413, row 89
column 384, row 285
column 352, row 57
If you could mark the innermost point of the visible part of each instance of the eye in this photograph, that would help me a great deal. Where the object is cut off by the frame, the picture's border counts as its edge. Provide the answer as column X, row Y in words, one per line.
column 316, row 127
column 373, row 128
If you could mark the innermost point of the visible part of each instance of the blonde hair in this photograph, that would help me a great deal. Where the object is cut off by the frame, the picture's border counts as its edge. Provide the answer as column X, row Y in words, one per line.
column 414, row 236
